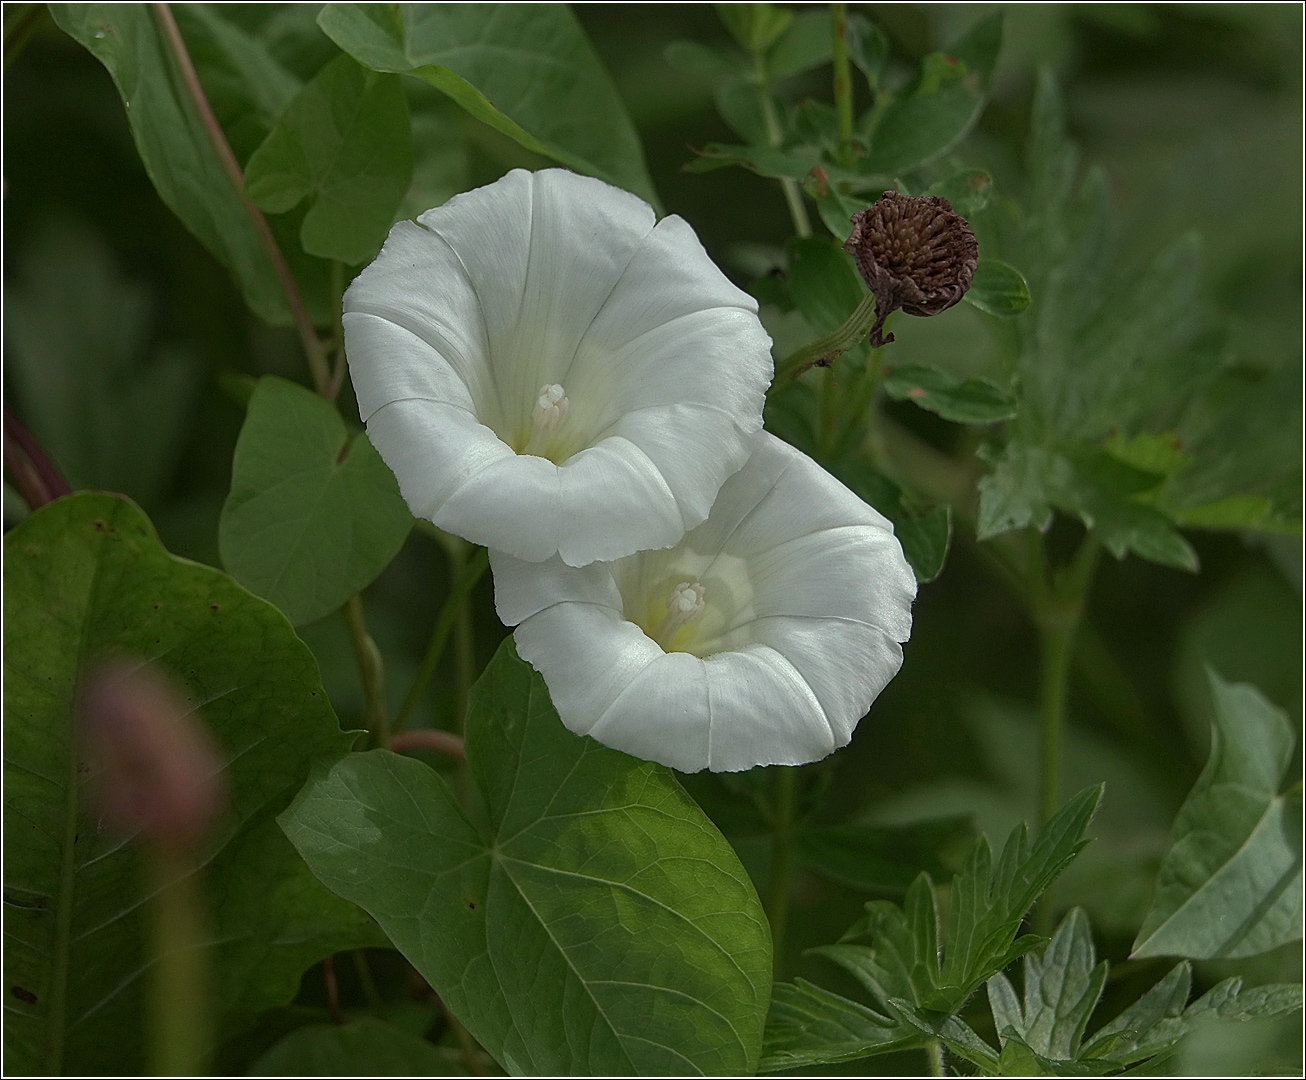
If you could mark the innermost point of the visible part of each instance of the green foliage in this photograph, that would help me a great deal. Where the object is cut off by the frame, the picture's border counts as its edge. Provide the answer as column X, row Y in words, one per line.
column 894, row 951
column 84, row 578
column 998, row 289
column 526, row 70
column 313, row 515
column 173, row 144
column 366, row 1047
column 108, row 404
column 1044, row 1035
column 974, row 400
column 881, row 858
column 935, row 110
column 345, row 143
column 595, row 898
column 1231, row 883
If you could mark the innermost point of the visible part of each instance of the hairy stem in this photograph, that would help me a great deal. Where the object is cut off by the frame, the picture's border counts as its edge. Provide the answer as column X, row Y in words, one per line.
column 313, row 349
column 463, row 582
column 934, row 1054
column 371, row 670
column 843, row 86
column 826, row 350
column 332, row 988
column 783, row 820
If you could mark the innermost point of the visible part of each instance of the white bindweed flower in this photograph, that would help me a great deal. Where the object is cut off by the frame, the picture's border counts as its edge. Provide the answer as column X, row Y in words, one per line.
column 548, row 370
column 760, row 639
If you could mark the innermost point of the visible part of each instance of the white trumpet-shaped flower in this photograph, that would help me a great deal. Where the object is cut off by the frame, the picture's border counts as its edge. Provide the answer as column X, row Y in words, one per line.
column 548, row 370
column 760, row 639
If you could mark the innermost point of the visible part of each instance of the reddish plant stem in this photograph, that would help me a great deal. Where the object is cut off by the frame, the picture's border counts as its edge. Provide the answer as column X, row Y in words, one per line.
column 34, row 476
column 313, row 349
column 446, row 742
column 332, row 990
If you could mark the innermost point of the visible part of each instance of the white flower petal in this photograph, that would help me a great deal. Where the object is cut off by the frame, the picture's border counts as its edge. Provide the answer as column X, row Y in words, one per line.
column 606, row 657
column 655, row 368
column 811, row 597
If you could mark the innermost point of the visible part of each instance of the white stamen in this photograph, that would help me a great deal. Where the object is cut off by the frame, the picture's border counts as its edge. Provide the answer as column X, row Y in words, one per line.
column 550, row 408
column 683, row 606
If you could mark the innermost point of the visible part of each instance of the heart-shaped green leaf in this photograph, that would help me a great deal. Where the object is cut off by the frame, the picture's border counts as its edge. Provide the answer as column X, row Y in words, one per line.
column 85, row 575
column 600, row 924
column 314, row 514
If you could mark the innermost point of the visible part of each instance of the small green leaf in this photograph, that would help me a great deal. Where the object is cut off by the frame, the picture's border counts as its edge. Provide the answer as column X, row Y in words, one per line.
column 86, row 576
column 742, row 105
column 314, row 514
column 1062, row 988
column 968, row 192
column 346, row 145
column 1235, row 512
column 755, row 26
column 867, row 47
column 527, row 70
column 793, row 164
column 973, row 400
column 837, row 211
column 823, row 283
column 952, row 1031
column 810, row 1026
column 597, row 923
column 806, row 43
column 1231, row 883
column 998, row 289
column 939, row 107
column 367, row 1047
column 174, row 146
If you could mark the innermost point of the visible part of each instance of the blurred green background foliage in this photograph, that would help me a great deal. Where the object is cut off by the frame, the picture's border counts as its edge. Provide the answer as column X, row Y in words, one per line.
column 125, row 342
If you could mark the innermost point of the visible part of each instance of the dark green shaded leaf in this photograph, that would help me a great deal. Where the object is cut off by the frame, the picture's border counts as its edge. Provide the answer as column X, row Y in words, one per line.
column 794, row 163
column 973, row 400
column 345, row 144
column 314, row 514
column 742, row 105
column 940, row 106
column 923, row 532
column 85, row 576
column 368, row 1047
column 600, row 924
column 998, row 289
column 823, row 283
column 111, row 409
column 837, row 211
column 806, row 43
column 867, row 47
column 1027, row 482
column 968, row 192
column 810, row 1026
column 1231, row 883
column 755, row 26
column 172, row 142
column 881, row 858
column 527, row 70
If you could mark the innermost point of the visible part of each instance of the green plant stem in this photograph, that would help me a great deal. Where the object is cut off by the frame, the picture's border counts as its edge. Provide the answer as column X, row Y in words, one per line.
column 862, row 396
column 1058, row 607
column 375, row 1001
column 826, row 350
column 371, row 671
column 792, row 192
column 471, row 572
column 934, row 1054
column 843, row 86
column 783, row 819
column 314, row 350
column 179, row 1032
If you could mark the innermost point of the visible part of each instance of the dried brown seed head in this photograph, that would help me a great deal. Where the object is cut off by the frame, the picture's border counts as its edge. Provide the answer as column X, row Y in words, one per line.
column 915, row 253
